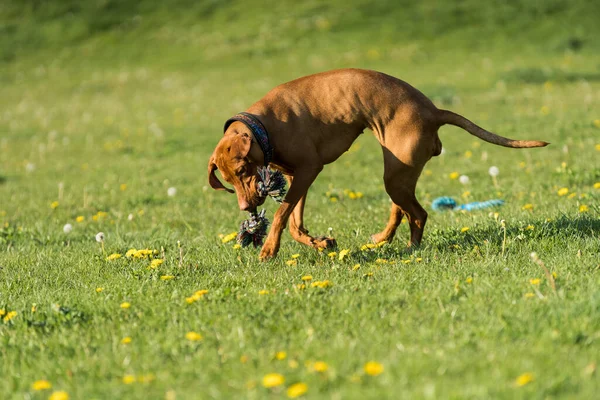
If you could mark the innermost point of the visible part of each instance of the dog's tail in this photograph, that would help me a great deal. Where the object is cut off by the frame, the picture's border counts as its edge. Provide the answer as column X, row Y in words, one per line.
column 448, row 117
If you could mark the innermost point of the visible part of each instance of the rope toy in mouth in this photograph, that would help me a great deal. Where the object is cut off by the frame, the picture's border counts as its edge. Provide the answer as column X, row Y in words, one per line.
column 448, row 203
column 272, row 183
column 254, row 229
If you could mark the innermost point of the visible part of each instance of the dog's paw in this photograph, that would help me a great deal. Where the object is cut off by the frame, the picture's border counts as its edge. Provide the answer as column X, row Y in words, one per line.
column 377, row 238
column 268, row 252
column 324, row 242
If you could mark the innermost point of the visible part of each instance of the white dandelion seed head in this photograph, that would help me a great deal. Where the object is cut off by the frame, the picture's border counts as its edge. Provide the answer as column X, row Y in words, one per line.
column 534, row 256
column 67, row 228
column 463, row 179
column 171, row 191
column 130, row 217
column 100, row 237
column 494, row 171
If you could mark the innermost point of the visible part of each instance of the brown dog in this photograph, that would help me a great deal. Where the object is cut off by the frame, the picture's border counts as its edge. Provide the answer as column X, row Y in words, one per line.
column 313, row 120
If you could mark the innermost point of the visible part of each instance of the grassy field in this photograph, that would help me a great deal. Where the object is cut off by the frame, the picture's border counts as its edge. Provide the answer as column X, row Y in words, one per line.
column 106, row 105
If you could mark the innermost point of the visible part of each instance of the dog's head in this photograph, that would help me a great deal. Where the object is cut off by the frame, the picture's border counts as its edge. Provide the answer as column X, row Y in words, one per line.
column 237, row 157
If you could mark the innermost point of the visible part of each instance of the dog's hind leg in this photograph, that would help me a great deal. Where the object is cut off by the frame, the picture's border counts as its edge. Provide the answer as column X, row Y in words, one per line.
column 400, row 180
column 387, row 234
column 297, row 229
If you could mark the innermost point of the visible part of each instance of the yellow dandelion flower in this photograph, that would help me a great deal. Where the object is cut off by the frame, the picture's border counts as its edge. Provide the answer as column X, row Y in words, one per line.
column 41, row 385
column 10, row 315
column 293, row 364
column 418, row 259
column 156, row 263
column 228, row 238
column 468, row 154
column 166, row 277
column 597, row 185
column 301, row 286
column 583, row 208
column 295, row 255
column 322, row 284
column 54, row 204
column 598, row 147
column 545, row 110
column 406, row 261
column 263, row 292
column 563, row 191
column 597, row 125
column 454, row 175
column 529, row 295
column 280, row 355
column 464, row 229
column 572, row 196
column 307, row 278
column 554, row 275
column 114, row 256
column 529, row 227
column 355, row 267
column 237, row 246
column 469, row 279
column 201, row 292
column 273, row 380
column 80, row 218
column 126, row 340
column 2, row 312
column 193, row 336
column 291, row 262
column 428, row 172
column 381, row 261
column 368, row 275
column 380, row 244
column 528, row 207
column 59, row 395
column 244, row 359
column 524, row 379
column 130, row 253
column 125, row 305
column 373, row 368
column 535, row 281
column 320, row 366
column 332, row 254
column 123, row 187
column 297, row 390
column 129, row 379
column 343, row 254
column 146, row 378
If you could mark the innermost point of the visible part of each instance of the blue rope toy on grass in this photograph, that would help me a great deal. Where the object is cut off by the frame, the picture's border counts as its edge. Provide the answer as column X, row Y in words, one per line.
column 254, row 229
column 448, row 203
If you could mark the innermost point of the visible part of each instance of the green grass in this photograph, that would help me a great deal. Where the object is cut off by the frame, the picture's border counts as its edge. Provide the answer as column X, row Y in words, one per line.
column 109, row 93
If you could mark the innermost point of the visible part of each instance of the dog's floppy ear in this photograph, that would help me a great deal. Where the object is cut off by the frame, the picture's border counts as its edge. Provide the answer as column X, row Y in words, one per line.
column 215, row 183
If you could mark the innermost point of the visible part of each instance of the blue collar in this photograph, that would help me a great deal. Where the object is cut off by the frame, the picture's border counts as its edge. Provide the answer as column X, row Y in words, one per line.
column 257, row 129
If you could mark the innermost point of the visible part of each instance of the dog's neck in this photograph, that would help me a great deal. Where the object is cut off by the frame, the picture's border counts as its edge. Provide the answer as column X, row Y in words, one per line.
column 259, row 132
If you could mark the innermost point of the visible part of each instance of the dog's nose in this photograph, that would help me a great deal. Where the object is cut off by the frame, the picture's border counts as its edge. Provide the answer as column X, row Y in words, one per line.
column 244, row 205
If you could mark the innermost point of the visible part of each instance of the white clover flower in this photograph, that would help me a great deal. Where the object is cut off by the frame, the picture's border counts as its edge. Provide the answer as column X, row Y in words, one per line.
column 100, row 237
column 171, row 191
column 67, row 228
column 494, row 171
column 130, row 217
column 463, row 179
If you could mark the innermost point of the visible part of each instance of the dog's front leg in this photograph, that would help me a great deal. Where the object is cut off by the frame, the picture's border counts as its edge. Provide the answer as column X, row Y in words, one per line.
column 303, row 178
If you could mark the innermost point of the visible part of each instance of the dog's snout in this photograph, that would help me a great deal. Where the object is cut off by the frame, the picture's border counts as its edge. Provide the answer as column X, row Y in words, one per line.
column 244, row 205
